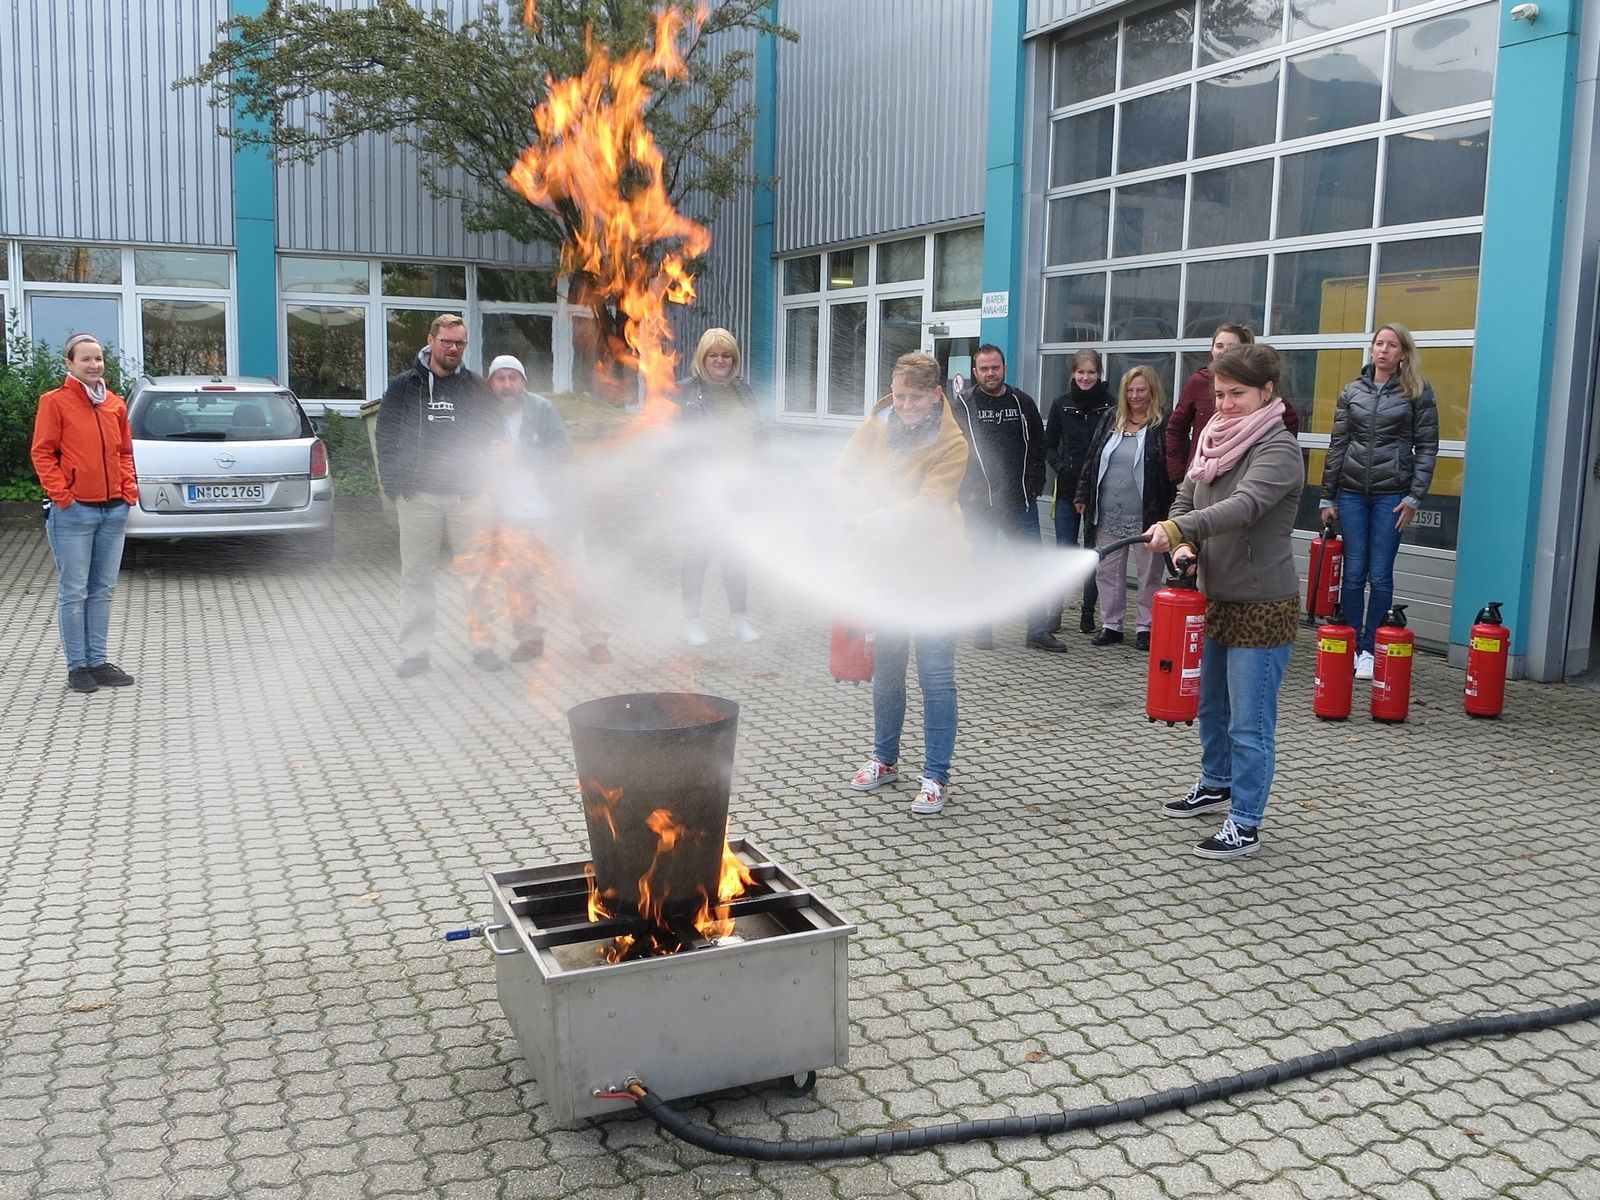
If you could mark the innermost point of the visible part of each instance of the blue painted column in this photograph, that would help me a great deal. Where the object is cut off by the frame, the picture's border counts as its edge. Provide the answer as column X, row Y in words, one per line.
column 1002, row 214
column 255, row 237
column 761, row 347
column 1524, row 219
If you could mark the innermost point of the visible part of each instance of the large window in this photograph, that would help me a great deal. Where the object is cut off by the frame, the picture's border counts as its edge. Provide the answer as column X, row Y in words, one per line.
column 849, row 313
column 351, row 324
column 166, row 312
column 1313, row 170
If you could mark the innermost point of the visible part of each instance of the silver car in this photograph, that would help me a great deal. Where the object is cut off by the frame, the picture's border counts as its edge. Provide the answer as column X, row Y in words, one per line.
column 223, row 456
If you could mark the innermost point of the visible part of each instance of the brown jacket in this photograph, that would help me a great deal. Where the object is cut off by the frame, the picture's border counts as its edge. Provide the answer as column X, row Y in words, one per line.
column 83, row 450
column 922, row 482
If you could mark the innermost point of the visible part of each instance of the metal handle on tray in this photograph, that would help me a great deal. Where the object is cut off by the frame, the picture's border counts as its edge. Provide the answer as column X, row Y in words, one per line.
column 488, row 940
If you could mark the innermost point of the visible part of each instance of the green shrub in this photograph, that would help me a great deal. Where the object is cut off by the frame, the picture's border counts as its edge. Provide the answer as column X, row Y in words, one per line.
column 27, row 371
column 349, row 455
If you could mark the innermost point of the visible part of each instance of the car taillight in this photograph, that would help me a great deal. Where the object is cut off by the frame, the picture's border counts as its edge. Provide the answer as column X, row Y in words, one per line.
column 319, row 460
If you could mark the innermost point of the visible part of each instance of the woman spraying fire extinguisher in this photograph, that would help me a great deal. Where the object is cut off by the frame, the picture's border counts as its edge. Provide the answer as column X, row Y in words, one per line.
column 1235, row 513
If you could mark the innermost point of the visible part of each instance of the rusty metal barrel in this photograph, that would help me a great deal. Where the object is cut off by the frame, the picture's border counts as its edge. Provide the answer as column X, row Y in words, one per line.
column 654, row 771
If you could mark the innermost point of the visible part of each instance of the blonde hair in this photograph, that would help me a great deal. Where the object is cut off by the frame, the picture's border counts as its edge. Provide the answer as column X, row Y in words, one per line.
column 714, row 341
column 1410, row 372
column 444, row 321
column 918, row 369
column 1158, row 399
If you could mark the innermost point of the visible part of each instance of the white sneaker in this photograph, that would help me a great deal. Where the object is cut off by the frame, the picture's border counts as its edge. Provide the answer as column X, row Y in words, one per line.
column 694, row 632
column 743, row 630
column 1364, row 665
column 930, row 800
column 875, row 774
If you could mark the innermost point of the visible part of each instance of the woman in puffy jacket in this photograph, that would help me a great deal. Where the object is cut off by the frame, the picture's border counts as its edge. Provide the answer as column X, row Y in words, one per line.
column 83, row 453
column 1124, row 488
column 1068, row 431
column 1380, row 464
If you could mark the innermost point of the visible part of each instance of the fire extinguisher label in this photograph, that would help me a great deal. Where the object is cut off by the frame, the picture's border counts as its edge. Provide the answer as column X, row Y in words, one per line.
column 1334, row 645
column 1399, row 650
column 1492, row 645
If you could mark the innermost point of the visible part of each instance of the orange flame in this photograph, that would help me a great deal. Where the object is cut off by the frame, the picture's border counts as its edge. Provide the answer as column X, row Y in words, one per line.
column 598, row 167
column 715, row 921
column 600, row 802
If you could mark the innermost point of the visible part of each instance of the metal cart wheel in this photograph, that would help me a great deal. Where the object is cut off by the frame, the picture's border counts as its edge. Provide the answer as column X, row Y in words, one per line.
column 798, row 1084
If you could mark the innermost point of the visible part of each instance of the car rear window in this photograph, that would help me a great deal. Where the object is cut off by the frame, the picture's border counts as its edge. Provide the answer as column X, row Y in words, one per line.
column 218, row 417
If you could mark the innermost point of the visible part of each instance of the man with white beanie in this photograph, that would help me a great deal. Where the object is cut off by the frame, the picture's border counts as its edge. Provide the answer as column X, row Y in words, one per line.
column 538, row 527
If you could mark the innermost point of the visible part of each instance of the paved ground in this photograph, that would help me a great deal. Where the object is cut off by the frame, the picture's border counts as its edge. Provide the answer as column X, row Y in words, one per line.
column 221, row 895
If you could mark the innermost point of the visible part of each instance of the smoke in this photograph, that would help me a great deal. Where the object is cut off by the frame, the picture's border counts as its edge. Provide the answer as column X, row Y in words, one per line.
column 708, row 486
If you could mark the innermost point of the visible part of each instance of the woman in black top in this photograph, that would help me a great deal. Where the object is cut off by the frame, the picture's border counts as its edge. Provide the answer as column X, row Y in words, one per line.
column 1068, row 431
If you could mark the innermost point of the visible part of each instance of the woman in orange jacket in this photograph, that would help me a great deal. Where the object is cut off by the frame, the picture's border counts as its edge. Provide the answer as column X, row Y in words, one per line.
column 83, row 452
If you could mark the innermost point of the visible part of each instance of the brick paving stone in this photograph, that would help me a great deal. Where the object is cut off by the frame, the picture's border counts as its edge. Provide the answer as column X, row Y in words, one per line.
column 221, row 972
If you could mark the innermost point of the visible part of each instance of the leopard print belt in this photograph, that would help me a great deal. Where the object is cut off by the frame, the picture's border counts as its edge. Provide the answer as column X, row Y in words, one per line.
column 1253, row 624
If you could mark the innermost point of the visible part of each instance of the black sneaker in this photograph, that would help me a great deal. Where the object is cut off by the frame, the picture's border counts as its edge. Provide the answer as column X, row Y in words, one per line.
column 110, row 675
column 531, row 648
column 1199, row 800
column 488, row 660
column 412, row 666
column 1142, row 639
column 1108, row 637
column 81, row 679
column 1086, row 621
column 1231, row 841
column 1047, row 641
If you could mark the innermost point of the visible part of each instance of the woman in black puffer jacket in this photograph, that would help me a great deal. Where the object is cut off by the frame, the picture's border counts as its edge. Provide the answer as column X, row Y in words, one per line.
column 1122, row 490
column 1380, row 464
column 1068, row 432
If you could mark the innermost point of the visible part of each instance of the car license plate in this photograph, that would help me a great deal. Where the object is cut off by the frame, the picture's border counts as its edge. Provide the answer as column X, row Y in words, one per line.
column 227, row 493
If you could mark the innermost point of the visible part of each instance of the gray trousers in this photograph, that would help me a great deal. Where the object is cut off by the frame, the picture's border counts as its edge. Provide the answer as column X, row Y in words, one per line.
column 1111, row 577
column 429, row 520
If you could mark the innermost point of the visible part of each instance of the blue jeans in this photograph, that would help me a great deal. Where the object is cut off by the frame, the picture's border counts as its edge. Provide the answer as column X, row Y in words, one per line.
column 1370, row 544
column 936, row 675
column 87, row 543
column 1239, row 723
column 1069, row 523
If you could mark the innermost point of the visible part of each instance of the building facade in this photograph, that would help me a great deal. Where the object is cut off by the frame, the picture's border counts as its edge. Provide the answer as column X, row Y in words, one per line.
column 1042, row 174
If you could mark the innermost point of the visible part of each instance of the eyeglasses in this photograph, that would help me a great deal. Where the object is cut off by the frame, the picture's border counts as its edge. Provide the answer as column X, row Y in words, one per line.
column 453, row 343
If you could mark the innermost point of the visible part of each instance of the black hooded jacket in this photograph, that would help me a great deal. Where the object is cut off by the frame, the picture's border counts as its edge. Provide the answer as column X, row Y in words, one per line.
column 1069, row 431
column 433, row 431
column 1005, row 466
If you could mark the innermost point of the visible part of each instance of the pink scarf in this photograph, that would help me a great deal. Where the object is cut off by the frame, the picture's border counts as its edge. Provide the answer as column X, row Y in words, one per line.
column 1224, row 440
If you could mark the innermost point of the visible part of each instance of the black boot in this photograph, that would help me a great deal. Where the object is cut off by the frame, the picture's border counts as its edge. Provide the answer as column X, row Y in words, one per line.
column 1086, row 622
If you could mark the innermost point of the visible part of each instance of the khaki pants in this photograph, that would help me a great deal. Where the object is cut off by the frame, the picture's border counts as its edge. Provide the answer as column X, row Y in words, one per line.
column 525, row 555
column 427, row 521
column 1111, row 578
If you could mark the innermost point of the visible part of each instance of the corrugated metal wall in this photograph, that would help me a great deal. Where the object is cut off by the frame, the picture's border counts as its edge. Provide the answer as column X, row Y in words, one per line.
column 367, row 198
column 1046, row 14
column 96, row 144
column 723, row 291
column 882, row 113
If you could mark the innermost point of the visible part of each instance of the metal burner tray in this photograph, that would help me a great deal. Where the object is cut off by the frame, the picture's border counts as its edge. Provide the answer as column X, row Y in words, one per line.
column 769, row 1007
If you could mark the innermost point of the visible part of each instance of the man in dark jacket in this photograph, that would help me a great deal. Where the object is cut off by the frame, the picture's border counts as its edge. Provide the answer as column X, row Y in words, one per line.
column 1005, row 473
column 434, row 428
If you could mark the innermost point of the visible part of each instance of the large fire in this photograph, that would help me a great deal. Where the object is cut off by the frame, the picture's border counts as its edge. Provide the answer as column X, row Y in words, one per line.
column 712, row 919
column 598, row 167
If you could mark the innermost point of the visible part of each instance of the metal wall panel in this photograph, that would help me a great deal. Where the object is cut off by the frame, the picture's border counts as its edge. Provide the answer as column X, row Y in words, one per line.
column 96, row 144
column 723, row 290
column 882, row 118
column 1044, row 15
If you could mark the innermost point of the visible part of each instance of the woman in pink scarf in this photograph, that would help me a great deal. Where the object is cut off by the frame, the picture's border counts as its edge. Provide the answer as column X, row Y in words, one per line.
column 1235, row 514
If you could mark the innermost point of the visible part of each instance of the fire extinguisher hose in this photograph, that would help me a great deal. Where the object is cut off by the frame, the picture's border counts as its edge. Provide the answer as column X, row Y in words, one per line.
column 1172, row 1100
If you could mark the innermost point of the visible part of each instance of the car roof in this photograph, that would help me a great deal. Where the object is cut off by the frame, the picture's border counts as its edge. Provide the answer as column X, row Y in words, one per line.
column 253, row 383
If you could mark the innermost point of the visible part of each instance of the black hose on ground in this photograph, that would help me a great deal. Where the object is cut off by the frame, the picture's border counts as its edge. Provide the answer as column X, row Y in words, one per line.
column 1174, row 1099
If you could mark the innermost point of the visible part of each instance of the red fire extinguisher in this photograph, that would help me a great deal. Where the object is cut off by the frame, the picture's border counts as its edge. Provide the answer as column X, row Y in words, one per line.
column 1177, row 639
column 1391, row 674
column 1336, row 653
column 1488, row 653
column 1326, row 573
column 851, row 653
